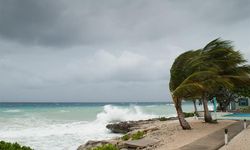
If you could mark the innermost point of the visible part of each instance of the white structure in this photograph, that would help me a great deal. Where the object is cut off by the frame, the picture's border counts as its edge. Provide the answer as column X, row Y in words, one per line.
column 240, row 103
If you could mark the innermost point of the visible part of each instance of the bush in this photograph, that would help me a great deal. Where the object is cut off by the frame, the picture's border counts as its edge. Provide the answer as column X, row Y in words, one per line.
column 125, row 137
column 12, row 146
column 245, row 109
column 138, row 135
column 106, row 147
column 188, row 114
column 163, row 119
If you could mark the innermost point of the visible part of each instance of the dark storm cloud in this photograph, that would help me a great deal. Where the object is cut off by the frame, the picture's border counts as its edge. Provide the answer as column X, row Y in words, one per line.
column 68, row 23
column 107, row 50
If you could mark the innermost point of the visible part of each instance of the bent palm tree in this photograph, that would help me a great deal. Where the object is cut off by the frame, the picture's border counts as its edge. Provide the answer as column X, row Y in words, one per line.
column 198, row 73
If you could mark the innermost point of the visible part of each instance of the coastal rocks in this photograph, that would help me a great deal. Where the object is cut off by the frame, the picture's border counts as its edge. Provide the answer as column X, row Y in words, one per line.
column 121, row 127
column 128, row 126
column 131, row 129
column 141, row 143
column 90, row 144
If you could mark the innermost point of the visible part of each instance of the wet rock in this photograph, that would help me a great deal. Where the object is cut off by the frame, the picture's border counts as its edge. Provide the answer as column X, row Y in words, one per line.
column 121, row 127
column 128, row 126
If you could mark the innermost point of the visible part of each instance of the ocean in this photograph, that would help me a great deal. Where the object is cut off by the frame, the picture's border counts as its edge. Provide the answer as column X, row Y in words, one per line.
column 65, row 126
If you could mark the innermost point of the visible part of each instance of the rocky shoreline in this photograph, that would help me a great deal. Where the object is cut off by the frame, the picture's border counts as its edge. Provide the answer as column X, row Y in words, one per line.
column 136, row 135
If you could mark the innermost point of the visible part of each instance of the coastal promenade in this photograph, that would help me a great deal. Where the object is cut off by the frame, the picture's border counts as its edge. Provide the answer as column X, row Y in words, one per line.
column 239, row 142
column 215, row 140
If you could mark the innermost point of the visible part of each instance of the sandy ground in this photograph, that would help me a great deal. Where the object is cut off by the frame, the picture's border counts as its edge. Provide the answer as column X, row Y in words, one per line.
column 239, row 142
column 171, row 135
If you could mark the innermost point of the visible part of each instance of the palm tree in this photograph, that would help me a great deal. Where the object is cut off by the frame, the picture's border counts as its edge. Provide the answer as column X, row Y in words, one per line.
column 179, row 72
column 198, row 73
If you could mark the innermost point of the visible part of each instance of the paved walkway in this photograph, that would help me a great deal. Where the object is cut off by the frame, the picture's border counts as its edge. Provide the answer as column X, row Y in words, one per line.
column 214, row 140
column 239, row 142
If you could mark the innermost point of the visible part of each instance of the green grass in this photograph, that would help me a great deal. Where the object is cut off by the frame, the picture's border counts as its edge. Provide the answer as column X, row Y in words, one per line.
column 138, row 135
column 188, row 114
column 163, row 119
column 12, row 146
column 125, row 137
column 106, row 147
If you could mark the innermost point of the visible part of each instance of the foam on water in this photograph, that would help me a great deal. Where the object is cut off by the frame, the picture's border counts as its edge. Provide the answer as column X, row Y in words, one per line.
column 12, row 111
column 42, row 134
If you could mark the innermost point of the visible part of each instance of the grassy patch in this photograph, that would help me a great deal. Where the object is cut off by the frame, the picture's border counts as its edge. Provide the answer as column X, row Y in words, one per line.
column 186, row 114
column 138, row 135
column 12, row 146
column 125, row 137
column 106, row 147
column 163, row 119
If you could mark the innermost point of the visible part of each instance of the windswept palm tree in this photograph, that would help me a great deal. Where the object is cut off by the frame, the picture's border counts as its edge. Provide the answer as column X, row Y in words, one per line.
column 198, row 73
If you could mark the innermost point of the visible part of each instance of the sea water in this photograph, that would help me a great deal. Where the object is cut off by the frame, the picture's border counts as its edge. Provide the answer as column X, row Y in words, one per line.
column 65, row 126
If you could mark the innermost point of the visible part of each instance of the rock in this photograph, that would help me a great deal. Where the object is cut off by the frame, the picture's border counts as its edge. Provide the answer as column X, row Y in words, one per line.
column 91, row 144
column 141, row 143
column 128, row 126
column 121, row 127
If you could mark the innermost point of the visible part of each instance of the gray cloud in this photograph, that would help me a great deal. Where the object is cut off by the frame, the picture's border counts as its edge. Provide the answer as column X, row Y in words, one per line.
column 106, row 50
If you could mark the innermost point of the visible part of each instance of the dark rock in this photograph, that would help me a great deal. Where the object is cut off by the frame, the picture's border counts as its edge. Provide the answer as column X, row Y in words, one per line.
column 127, row 126
column 121, row 127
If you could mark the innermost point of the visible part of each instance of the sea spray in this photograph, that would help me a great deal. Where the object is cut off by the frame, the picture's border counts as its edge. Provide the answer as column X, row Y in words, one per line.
column 66, row 126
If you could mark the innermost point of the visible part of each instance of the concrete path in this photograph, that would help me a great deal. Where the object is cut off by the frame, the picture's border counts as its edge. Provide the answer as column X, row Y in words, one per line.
column 214, row 140
column 239, row 142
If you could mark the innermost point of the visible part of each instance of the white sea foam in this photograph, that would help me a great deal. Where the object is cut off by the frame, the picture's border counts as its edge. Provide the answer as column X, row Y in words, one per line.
column 12, row 111
column 115, row 114
column 43, row 134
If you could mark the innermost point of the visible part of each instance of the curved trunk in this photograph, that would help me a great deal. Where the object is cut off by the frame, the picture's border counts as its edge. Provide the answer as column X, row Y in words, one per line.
column 207, row 114
column 184, row 124
column 195, row 108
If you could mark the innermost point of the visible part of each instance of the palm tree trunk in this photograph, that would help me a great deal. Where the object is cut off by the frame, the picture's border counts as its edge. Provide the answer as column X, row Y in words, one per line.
column 195, row 108
column 184, row 124
column 207, row 114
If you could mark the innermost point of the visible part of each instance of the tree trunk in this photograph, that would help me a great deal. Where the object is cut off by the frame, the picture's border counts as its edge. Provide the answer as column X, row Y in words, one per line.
column 195, row 108
column 184, row 124
column 207, row 114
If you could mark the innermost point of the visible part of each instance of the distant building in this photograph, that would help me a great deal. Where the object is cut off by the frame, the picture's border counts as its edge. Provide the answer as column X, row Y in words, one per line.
column 240, row 103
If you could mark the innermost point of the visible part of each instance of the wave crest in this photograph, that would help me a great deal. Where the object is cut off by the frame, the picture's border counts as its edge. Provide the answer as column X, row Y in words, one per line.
column 118, row 113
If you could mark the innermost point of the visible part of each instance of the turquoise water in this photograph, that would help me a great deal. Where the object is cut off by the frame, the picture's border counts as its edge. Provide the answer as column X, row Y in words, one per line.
column 60, row 126
column 238, row 115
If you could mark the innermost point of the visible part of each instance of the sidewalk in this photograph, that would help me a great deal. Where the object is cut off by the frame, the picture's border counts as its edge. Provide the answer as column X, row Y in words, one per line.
column 215, row 140
column 239, row 142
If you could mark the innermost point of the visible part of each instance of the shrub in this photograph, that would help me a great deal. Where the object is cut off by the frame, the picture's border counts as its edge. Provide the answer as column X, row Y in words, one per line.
column 163, row 119
column 138, row 135
column 245, row 109
column 106, row 147
column 125, row 137
column 12, row 146
column 188, row 114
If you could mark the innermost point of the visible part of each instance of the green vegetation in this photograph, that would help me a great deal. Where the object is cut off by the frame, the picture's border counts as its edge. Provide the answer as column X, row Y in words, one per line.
column 136, row 136
column 200, row 74
column 245, row 109
column 163, row 119
column 12, row 146
column 125, row 137
column 188, row 114
column 106, row 147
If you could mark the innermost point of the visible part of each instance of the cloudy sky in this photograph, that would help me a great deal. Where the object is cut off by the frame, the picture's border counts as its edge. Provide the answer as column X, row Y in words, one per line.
column 112, row 50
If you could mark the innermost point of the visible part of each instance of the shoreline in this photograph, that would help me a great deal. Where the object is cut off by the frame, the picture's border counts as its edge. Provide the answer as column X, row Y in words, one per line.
column 162, row 135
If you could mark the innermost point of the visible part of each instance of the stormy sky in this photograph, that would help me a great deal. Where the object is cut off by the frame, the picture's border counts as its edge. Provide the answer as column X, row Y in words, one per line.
column 107, row 50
